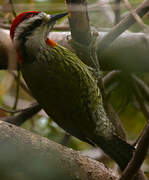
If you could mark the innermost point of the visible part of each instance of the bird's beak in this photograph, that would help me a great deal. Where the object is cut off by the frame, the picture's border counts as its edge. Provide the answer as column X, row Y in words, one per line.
column 57, row 16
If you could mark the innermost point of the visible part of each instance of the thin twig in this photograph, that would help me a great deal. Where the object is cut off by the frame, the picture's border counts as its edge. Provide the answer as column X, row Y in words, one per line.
column 22, row 84
column 56, row 28
column 123, row 105
column 19, row 72
column 142, row 86
column 114, row 118
column 137, row 140
column 20, row 118
column 121, row 27
column 117, row 11
column 138, row 157
column 106, row 80
column 12, row 7
column 141, row 101
column 17, row 90
column 11, row 111
column 142, row 105
column 135, row 15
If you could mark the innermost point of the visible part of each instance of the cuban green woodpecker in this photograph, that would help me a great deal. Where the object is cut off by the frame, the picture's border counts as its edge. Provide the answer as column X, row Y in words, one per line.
column 63, row 85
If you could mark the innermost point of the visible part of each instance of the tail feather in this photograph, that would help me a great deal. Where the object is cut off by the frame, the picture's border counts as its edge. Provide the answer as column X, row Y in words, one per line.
column 117, row 149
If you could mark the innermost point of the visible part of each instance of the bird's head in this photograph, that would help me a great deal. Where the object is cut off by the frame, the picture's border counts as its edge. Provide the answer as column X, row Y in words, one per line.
column 34, row 26
column 27, row 22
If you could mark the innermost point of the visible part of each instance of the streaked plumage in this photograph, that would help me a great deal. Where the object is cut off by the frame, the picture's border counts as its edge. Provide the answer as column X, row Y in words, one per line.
column 65, row 87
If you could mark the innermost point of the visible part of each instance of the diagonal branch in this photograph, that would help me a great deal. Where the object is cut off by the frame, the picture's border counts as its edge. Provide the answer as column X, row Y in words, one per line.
column 138, row 157
column 143, row 87
column 136, row 16
column 141, row 101
column 121, row 27
column 22, row 84
column 12, row 8
column 21, row 117
column 111, row 76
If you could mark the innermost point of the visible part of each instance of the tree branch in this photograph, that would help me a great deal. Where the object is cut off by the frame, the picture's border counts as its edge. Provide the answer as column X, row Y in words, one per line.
column 109, row 77
column 138, row 157
column 117, row 10
column 129, row 52
column 119, row 55
column 12, row 8
column 143, row 87
column 114, row 118
column 141, row 102
column 79, row 21
column 21, row 117
column 22, row 84
column 27, row 152
column 121, row 27
column 136, row 16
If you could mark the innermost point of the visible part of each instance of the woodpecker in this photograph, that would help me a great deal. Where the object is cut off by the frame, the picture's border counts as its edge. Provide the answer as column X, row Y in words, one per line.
column 63, row 85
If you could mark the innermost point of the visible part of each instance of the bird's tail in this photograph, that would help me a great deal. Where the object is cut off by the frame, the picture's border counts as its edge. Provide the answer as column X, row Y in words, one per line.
column 117, row 149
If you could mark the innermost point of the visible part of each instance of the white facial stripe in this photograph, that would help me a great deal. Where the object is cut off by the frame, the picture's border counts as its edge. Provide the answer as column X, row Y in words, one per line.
column 28, row 22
